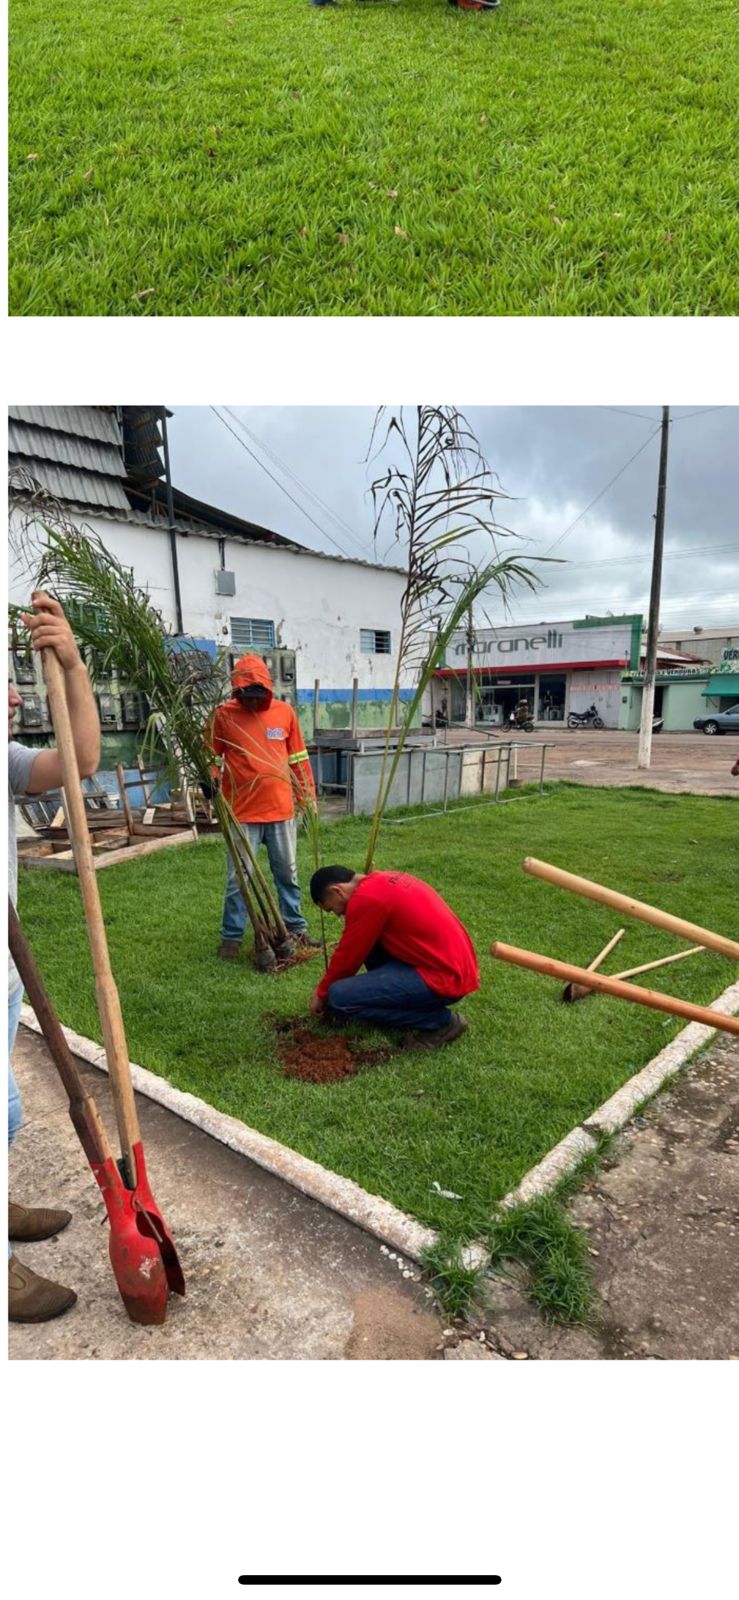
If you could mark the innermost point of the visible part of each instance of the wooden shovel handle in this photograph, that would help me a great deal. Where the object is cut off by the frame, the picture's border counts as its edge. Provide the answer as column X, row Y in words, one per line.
column 633, row 908
column 607, row 948
column 614, row 986
column 664, row 961
column 108, row 1002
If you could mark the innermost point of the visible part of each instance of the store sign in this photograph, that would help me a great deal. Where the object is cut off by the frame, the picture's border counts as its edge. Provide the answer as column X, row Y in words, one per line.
column 545, row 646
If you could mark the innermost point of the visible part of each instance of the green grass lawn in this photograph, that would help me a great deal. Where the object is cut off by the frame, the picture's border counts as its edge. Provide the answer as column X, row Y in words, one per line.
column 472, row 1118
column 558, row 157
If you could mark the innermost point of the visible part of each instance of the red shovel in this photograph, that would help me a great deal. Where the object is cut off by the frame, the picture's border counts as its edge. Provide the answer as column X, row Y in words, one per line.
column 142, row 1250
column 144, row 1261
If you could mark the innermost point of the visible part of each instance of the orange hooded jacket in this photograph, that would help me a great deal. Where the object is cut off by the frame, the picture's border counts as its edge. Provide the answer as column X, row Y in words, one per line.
column 265, row 762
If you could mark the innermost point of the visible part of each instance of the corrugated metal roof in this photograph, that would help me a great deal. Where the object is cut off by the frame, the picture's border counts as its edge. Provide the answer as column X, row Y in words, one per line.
column 85, row 489
column 87, row 454
column 85, row 422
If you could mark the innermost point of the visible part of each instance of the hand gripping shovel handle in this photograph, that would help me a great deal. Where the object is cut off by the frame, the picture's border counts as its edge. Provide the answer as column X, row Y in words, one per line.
column 109, row 1006
column 138, row 1255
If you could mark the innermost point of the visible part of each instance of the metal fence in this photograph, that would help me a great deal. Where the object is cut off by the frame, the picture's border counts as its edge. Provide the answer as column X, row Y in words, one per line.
column 437, row 776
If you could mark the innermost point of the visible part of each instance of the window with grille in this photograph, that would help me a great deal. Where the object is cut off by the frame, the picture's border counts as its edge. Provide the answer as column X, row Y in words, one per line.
column 252, row 633
column 374, row 642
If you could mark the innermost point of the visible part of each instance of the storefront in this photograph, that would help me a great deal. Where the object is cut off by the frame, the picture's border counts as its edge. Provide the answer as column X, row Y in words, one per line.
column 557, row 668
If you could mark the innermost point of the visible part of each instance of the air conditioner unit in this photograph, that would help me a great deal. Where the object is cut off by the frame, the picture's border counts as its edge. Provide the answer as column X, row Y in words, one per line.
column 225, row 582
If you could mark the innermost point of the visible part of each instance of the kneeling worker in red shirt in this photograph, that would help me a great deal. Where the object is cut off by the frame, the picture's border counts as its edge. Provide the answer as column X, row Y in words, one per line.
column 418, row 955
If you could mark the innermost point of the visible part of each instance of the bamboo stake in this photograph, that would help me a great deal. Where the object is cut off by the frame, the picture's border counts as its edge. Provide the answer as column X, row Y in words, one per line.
column 614, row 986
column 633, row 908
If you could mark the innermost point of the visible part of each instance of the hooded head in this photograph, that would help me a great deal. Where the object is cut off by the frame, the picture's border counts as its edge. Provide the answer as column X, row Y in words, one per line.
column 252, row 684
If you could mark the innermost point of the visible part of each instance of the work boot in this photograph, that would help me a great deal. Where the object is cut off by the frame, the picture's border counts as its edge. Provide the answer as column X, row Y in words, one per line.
column 35, row 1299
column 29, row 1224
column 307, row 941
column 435, row 1039
column 229, row 949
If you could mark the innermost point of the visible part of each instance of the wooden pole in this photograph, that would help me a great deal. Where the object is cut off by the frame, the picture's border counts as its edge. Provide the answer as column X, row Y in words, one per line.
column 108, row 1002
column 613, row 986
column 633, row 908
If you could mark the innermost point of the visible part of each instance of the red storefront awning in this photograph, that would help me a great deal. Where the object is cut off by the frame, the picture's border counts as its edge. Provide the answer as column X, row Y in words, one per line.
column 530, row 667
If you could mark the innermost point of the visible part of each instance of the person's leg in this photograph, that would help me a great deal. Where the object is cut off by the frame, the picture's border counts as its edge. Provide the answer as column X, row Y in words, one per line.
column 392, row 995
column 280, row 839
column 30, row 1297
column 233, row 922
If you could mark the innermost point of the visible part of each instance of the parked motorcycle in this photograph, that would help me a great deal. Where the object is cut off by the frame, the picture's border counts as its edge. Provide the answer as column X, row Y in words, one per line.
column 585, row 719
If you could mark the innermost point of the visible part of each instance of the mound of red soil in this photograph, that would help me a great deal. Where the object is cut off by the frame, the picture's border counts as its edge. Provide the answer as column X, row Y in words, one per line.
column 320, row 1057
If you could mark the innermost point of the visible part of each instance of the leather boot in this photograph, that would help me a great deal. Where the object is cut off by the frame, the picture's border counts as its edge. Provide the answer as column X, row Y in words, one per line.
column 31, row 1223
column 35, row 1299
column 229, row 949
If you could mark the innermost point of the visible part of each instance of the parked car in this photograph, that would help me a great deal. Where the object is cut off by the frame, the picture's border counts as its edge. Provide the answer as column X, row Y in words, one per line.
column 720, row 721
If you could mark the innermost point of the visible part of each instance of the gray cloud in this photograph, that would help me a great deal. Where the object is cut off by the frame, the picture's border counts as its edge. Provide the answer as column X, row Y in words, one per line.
column 551, row 461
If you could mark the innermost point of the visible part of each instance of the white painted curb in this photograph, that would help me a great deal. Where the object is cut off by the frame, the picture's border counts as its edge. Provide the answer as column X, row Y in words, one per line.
column 617, row 1111
column 371, row 1212
column 368, row 1211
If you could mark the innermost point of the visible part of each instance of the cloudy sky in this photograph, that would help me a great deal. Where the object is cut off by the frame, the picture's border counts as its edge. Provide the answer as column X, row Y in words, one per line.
column 302, row 472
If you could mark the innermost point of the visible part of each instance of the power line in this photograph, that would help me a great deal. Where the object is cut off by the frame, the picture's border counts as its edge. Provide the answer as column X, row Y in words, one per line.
column 289, row 473
column 603, row 491
column 279, row 485
column 681, row 551
column 706, row 412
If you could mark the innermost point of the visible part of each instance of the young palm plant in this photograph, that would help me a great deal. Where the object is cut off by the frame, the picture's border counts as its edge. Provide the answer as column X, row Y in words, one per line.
column 182, row 687
column 439, row 502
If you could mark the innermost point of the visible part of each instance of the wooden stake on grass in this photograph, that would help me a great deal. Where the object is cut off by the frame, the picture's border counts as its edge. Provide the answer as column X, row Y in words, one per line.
column 613, row 986
column 633, row 908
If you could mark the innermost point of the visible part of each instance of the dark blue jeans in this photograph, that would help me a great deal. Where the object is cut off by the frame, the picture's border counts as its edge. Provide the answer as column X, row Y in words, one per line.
column 390, row 994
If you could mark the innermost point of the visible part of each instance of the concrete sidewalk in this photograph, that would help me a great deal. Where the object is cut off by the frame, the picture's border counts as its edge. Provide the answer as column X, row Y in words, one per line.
column 270, row 1274
column 662, row 1218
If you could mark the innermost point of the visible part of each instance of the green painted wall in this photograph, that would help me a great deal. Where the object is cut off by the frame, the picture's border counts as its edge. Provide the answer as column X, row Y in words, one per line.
column 681, row 703
column 338, row 714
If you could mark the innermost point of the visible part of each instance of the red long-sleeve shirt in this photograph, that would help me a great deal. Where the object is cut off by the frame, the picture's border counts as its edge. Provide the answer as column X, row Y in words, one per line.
column 413, row 924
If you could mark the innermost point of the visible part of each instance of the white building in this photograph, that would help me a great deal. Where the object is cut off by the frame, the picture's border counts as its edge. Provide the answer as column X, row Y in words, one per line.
column 213, row 576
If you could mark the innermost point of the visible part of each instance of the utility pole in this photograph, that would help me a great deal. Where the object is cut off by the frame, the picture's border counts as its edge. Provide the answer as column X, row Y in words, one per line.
column 470, row 701
column 650, row 670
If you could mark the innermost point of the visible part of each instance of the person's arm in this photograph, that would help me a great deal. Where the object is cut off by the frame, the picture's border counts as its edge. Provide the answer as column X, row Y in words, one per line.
column 304, row 788
column 362, row 930
column 50, row 630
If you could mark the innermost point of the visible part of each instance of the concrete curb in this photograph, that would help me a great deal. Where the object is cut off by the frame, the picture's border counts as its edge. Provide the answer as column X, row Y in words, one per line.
column 371, row 1212
column 618, row 1110
column 367, row 1211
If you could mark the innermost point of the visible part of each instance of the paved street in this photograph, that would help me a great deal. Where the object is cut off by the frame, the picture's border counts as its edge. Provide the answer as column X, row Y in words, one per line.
column 681, row 762
column 270, row 1275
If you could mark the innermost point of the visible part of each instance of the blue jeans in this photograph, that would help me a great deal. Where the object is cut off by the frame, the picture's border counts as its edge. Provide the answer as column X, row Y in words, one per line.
column 15, row 1112
column 279, row 838
column 390, row 994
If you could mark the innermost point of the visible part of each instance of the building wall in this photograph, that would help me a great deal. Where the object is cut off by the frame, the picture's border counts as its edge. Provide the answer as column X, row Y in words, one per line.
column 709, row 644
column 681, row 703
column 317, row 604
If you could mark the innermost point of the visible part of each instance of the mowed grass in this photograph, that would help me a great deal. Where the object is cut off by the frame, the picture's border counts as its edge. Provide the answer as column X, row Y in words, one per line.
column 471, row 1118
column 558, row 157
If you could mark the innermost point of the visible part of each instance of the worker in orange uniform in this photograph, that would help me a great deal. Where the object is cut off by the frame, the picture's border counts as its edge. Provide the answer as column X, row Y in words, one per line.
column 265, row 771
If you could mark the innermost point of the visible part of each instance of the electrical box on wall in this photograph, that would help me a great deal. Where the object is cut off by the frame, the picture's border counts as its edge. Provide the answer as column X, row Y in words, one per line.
column 225, row 582
column 32, row 715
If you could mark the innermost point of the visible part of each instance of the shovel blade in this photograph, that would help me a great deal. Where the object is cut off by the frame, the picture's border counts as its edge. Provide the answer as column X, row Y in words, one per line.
column 142, row 1253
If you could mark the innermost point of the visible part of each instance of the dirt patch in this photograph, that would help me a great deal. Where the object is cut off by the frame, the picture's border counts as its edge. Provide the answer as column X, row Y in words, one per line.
column 389, row 1327
column 321, row 1057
